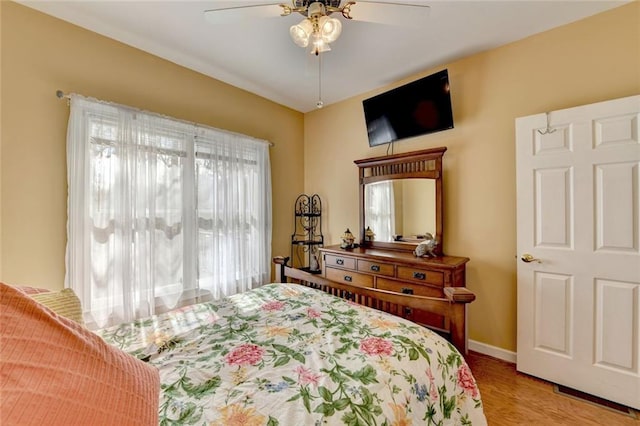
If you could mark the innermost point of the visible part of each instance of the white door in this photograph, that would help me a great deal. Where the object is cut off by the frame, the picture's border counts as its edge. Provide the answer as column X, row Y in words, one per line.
column 578, row 217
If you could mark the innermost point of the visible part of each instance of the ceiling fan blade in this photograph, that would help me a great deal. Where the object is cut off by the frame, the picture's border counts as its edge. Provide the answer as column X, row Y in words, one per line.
column 409, row 13
column 227, row 15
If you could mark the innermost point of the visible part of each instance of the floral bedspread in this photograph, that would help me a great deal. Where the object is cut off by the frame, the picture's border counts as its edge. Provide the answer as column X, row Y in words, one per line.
column 284, row 354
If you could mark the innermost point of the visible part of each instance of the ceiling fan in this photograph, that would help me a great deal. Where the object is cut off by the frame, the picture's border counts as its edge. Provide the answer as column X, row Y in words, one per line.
column 318, row 28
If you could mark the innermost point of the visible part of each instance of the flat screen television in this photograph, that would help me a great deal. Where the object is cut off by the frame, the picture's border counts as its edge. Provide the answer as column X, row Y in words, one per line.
column 417, row 108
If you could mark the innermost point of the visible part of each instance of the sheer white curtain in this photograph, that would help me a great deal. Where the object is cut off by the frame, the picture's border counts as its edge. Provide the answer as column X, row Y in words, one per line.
column 234, row 210
column 379, row 210
column 154, row 204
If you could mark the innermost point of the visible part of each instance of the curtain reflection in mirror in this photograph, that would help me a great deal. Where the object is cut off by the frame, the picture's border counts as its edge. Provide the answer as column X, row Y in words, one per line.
column 379, row 211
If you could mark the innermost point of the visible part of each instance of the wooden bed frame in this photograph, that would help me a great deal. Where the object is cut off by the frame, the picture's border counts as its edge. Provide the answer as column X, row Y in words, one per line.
column 452, row 307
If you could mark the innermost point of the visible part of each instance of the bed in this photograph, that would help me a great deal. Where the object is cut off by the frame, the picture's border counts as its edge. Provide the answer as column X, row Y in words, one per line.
column 281, row 354
column 289, row 354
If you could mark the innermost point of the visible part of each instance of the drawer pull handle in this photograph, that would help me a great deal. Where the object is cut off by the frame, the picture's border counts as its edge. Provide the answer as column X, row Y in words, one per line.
column 348, row 278
column 375, row 268
column 339, row 261
column 406, row 290
column 419, row 275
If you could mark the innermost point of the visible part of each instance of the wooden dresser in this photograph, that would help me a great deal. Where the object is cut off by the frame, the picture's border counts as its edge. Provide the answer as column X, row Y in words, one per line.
column 397, row 271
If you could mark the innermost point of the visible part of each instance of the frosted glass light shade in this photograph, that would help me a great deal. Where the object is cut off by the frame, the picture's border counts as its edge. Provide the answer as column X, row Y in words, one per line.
column 319, row 44
column 330, row 29
column 301, row 33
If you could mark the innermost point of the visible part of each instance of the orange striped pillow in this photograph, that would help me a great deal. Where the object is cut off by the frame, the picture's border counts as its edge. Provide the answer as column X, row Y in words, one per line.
column 31, row 290
column 56, row 372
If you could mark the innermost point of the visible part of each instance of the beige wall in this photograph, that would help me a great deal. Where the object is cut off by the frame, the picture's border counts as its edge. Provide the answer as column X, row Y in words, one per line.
column 588, row 61
column 41, row 54
column 0, row 145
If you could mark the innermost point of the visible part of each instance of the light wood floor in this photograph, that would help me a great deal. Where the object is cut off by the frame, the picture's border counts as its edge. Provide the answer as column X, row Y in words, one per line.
column 513, row 398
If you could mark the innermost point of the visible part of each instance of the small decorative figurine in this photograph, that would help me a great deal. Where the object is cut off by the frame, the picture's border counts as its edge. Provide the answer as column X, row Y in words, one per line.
column 369, row 235
column 426, row 247
column 347, row 240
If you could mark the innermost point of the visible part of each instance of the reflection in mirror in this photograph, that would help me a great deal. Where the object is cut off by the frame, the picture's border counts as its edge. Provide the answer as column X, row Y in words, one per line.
column 401, row 209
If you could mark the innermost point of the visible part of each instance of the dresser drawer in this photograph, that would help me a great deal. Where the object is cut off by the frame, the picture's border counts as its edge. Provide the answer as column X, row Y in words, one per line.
column 340, row 261
column 408, row 288
column 376, row 268
column 348, row 277
column 421, row 276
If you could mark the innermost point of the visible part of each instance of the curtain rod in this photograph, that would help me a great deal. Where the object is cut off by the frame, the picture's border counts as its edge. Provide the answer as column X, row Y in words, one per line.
column 61, row 95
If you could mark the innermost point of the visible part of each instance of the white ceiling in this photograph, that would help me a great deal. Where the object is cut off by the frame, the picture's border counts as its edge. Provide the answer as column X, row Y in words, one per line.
column 256, row 53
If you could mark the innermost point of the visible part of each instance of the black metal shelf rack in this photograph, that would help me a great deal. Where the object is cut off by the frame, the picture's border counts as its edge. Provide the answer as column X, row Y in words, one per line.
column 307, row 234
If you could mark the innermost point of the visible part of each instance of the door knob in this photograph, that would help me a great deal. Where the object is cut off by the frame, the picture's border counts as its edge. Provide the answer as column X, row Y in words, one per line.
column 529, row 258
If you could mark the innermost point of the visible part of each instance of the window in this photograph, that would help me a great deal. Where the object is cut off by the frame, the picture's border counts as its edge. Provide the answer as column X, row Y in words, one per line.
column 161, row 211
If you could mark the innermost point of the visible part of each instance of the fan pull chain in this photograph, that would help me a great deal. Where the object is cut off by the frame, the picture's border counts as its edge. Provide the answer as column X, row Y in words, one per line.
column 319, row 104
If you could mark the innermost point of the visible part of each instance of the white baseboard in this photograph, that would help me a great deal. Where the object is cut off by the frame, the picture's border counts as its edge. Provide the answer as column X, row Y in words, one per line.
column 492, row 351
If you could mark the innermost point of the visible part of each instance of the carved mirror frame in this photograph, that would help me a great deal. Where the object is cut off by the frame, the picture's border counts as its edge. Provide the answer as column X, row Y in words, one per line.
column 424, row 164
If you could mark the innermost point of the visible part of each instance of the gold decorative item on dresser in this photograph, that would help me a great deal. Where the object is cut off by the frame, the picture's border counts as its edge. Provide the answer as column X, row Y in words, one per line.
column 401, row 198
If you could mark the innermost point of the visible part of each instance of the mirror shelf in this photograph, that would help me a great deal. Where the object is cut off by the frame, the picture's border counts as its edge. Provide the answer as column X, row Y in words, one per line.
column 401, row 196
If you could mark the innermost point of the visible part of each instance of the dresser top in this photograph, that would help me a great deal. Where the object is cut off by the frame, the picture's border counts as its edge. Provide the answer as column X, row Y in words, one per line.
column 397, row 256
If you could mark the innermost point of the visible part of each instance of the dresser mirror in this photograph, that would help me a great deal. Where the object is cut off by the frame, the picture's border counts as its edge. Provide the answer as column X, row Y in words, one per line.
column 400, row 209
column 401, row 199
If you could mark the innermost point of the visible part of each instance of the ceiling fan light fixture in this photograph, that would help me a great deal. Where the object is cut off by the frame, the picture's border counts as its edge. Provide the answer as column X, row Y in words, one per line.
column 330, row 28
column 301, row 33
